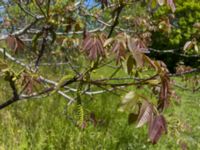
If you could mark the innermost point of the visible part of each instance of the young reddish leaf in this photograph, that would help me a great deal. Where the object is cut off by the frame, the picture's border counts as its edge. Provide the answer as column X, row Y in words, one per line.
column 29, row 83
column 11, row 42
column 19, row 44
column 118, row 46
column 171, row 5
column 93, row 46
column 15, row 43
column 93, row 118
column 137, row 47
column 119, row 50
column 164, row 92
column 183, row 145
column 156, row 129
column 146, row 111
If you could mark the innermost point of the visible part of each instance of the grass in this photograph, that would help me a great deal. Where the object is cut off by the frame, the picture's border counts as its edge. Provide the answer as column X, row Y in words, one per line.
column 44, row 124
column 47, row 123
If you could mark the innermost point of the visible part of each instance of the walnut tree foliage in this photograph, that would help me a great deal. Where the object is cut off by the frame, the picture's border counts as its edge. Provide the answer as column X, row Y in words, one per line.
column 86, row 39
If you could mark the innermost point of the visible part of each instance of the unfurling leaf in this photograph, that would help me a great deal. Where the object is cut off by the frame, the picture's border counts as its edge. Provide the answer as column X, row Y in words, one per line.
column 171, row 5
column 156, row 129
column 118, row 46
column 137, row 48
column 146, row 111
column 93, row 46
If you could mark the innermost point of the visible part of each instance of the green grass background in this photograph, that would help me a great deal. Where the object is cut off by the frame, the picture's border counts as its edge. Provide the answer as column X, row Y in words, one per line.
column 44, row 124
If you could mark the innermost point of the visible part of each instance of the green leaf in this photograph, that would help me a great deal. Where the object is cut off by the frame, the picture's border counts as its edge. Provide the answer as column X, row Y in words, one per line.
column 132, row 117
column 130, row 63
column 129, row 102
column 53, row 35
column 35, row 40
column 3, row 66
column 62, row 82
column 153, row 81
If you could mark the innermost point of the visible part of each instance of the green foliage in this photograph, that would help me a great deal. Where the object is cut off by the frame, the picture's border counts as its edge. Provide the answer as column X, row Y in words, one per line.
column 174, row 30
column 182, row 29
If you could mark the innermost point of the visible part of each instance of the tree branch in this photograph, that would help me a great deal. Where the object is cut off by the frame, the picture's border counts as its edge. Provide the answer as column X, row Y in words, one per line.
column 119, row 10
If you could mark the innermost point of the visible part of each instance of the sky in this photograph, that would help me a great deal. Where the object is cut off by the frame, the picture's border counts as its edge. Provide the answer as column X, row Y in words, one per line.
column 1, row 10
column 88, row 3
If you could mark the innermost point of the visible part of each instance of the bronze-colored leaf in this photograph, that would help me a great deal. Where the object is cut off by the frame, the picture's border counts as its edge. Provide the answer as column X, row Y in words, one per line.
column 146, row 111
column 93, row 118
column 164, row 92
column 119, row 49
column 171, row 5
column 15, row 43
column 118, row 46
column 11, row 42
column 137, row 49
column 93, row 46
column 157, row 128
column 29, row 83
